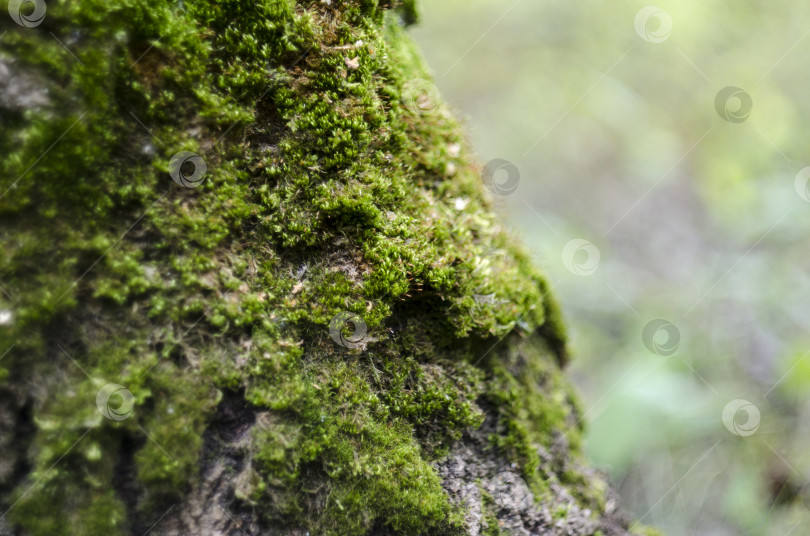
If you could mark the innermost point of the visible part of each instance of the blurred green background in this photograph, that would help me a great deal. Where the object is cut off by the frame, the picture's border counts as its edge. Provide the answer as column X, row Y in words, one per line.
column 610, row 115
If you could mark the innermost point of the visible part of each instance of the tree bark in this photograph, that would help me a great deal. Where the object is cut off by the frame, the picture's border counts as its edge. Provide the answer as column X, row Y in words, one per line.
column 251, row 284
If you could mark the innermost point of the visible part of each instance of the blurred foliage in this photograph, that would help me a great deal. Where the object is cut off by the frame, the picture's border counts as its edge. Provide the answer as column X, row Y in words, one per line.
column 697, row 220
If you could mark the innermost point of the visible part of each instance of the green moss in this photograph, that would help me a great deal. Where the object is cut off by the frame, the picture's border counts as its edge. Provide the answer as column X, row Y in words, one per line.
column 561, row 512
column 327, row 191
column 375, row 470
column 491, row 526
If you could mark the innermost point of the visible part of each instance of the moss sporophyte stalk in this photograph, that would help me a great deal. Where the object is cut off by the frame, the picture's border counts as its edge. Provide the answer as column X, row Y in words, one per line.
column 191, row 194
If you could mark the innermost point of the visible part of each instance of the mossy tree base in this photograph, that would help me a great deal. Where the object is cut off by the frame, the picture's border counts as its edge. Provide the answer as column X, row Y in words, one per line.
column 335, row 183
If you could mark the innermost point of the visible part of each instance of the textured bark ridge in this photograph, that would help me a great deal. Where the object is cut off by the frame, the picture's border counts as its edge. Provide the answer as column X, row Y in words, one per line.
column 251, row 284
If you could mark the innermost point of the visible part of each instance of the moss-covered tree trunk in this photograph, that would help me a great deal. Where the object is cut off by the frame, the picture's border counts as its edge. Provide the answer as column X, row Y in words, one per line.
column 251, row 284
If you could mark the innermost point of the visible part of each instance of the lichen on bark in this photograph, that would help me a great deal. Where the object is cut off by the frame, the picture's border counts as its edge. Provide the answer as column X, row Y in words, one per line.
column 336, row 182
